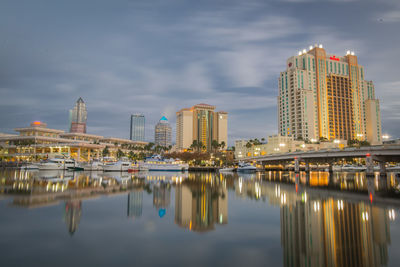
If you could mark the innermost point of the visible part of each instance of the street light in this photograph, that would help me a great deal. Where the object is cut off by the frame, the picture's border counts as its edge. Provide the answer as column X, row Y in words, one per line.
column 385, row 136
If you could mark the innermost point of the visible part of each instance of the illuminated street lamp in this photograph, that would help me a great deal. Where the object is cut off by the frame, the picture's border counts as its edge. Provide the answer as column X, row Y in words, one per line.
column 281, row 144
column 385, row 136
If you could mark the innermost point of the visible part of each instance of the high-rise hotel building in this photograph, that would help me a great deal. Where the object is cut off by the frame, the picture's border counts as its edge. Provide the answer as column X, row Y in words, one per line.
column 323, row 95
column 202, row 123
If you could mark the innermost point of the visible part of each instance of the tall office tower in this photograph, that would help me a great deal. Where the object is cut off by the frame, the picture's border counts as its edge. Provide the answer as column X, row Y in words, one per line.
column 162, row 135
column 201, row 123
column 78, row 117
column 323, row 95
column 137, row 127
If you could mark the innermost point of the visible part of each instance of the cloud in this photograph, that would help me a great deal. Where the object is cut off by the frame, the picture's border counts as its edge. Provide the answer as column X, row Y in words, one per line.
column 157, row 58
column 391, row 16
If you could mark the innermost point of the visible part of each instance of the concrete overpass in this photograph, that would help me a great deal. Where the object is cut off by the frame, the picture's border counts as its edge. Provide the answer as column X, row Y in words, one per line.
column 381, row 154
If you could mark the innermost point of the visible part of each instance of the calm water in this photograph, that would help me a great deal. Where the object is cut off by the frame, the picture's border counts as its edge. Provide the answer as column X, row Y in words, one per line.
column 198, row 219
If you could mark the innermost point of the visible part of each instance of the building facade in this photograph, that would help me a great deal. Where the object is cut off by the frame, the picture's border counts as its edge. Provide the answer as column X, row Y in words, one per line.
column 203, row 124
column 78, row 117
column 162, row 134
column 38, row 142
column 281, row 144
column 137, row 127
column 325, row 96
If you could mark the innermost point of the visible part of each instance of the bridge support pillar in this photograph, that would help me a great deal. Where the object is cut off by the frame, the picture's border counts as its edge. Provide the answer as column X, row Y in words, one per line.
column 330, row 168
column 370, row 166
column 307, row 166
column 382, row 166
column 296, row 165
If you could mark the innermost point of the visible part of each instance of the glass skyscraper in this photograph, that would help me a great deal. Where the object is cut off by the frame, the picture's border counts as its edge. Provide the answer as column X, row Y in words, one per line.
column 78, row 117
column 137, row 127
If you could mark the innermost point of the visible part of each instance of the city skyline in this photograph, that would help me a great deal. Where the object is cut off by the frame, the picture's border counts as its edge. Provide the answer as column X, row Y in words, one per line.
column 233, row 56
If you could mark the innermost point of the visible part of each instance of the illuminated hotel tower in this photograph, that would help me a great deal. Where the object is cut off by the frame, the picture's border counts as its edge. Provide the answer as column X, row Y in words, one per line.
column 78, row 117
column 322, row 95
column 201, row 123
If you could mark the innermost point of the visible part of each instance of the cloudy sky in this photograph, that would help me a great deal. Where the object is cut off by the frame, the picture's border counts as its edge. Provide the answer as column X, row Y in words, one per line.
column 158, row 56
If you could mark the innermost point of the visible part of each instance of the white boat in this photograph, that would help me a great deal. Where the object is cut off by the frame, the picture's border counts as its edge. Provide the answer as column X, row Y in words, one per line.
column 29, row 167
column 246, row 167
column 227, row 169
column 353, row 168
column 57, row 164
column 119, row 166
column 157, row 163
column 393, row 168
column 94, row 165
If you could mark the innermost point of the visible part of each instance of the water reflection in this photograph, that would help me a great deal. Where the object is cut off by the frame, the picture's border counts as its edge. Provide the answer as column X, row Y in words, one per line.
column 135, row 204
column 338, row 220
column 201, row 202
column 73, row 211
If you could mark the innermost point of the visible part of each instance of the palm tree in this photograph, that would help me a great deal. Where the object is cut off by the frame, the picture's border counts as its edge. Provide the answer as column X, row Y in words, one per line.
column 120, row 154
column 249, row 144
column 222, row 144
column 194, row 145
column 214, row 145
column 106, row 152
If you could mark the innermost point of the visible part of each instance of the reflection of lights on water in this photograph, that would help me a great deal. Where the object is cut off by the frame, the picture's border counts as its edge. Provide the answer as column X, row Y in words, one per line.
column 316, row 206
column 277, row 190
column 240, row 184
column 304, row 197
column 364, row 216
column 220, row 218
column 340, row 204
column 283, row 198
column 392, row 215
column 258, row 190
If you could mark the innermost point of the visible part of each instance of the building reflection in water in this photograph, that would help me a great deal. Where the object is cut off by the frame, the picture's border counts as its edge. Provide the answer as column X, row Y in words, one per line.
column 135, row 204
column 200, row 203
column 325, row 221
column 324, row 229
column 73, row 211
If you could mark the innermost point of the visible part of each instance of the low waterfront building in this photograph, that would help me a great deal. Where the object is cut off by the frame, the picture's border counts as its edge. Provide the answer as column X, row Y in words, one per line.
column 281, row 144
column 38, row 142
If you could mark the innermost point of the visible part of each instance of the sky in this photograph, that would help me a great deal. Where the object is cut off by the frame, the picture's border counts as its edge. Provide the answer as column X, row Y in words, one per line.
column 158, row 56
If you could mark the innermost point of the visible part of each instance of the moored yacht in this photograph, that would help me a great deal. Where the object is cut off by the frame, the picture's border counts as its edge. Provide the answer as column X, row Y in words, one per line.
column 353, row 168
column 246, row 167
column 57, row 164
column 227, row 169
column 119, row 166
column 157, row 163
column 94, row 165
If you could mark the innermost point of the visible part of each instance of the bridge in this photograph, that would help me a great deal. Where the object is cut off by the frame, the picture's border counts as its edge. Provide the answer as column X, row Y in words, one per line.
column 380, row 154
